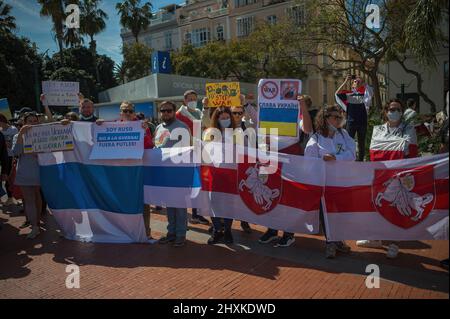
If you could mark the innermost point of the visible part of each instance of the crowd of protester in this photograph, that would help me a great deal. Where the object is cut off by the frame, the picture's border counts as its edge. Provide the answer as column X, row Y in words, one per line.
column 326, row 132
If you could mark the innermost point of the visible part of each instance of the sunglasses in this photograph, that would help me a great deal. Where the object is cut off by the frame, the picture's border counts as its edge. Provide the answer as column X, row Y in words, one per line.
column 395, row 110
column 127, row 111
column 237, row 113
column 166, row 111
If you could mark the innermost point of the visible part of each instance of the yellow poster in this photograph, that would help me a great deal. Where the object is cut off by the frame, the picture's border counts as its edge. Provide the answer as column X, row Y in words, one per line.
column 223, row 94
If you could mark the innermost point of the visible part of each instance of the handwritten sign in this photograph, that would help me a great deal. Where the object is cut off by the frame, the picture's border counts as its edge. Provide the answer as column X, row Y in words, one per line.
column 118, row 140
column 278, row 105
column 48, row 138
column 61, row 93
column 223, row 94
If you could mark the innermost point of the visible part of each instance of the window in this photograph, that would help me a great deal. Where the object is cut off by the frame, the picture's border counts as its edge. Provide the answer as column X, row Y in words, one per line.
column 168, row 40
column 188, row 38
column 297, row 13
column 325, row 92
column 325, row 59
column 200, row 37
column 245, row 26
column 242, row 3
column 220, row 33
column 272, row 19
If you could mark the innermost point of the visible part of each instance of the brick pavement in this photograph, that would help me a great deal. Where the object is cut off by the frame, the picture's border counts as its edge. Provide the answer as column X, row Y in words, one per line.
column 36, row 269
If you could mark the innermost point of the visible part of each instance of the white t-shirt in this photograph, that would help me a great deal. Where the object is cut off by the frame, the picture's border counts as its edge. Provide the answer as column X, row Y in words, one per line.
column 341, row 145
column 9, row 135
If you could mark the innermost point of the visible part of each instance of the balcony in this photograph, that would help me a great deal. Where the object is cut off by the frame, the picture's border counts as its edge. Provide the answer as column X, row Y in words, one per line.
column 162, row 18
column 204, row 14
column 266, row 3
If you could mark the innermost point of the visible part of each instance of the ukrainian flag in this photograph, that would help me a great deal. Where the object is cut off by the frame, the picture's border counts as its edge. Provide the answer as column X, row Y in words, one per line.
column 285, row 120
column 28, row 148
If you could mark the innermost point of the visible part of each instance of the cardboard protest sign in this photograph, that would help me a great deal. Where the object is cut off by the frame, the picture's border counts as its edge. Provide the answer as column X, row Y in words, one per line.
column 278, row 105
column 61, row 93
column 223, row 94
column 118, row 140
column 48, row 138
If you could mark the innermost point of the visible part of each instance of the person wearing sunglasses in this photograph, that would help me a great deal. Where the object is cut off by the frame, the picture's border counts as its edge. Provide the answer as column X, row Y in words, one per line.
column 176, row 217
column 395, row 139
column 331, row 143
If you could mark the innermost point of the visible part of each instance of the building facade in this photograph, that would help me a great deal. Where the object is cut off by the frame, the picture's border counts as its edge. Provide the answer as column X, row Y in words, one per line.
column 198, row 22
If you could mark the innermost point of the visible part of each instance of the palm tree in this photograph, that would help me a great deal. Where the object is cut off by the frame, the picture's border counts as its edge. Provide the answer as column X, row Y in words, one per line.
column 55, row 10
column 135, row 17
column 7, row 21
column 72, row 37
column 120, row 73
column 92, row 21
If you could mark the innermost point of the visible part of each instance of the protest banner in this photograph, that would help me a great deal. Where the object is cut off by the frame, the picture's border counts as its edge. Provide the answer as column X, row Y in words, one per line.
column 223, row 94
column 61, row 93
column 48, row 138
column 4, row 108
column 278, row 105
column 118, row 140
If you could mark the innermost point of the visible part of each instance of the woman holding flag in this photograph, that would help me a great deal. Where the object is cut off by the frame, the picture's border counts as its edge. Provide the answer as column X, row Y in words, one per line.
column 393, row 140
column 331, row 143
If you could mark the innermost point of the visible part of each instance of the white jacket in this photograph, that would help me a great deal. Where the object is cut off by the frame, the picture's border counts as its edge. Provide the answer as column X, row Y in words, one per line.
column 340, row 145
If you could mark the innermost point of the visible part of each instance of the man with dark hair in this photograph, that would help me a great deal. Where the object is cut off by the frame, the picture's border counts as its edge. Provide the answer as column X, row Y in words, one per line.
column 177, row 217
column 356, row 102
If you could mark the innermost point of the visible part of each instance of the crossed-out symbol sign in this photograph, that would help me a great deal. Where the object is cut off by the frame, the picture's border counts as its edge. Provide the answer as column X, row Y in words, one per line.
column 269, row 90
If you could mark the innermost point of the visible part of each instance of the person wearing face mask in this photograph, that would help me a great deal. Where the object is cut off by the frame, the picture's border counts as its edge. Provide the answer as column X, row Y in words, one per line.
column 220, row 120
column 356, row 102
column 27, row 175
column 188, row 113
column 393, row 140
column 331, row 143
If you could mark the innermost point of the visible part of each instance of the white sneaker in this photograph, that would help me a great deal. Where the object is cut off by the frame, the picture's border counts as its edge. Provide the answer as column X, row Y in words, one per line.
column 392, row 251
column 369, row 243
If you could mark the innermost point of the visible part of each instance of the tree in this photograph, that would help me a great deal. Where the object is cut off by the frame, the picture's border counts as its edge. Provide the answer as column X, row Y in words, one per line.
column 72, row 37
column 278, row 51
column 7, row 21
column 92, row 21
column 134, row 17
column 120, row 73
column 80, row 59
column 136, row 60
column 423, row 32
column 17, row 62
column 55, row 10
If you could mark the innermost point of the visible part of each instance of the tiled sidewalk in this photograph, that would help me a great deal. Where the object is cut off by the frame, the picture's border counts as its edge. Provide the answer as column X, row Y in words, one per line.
column 37, row 269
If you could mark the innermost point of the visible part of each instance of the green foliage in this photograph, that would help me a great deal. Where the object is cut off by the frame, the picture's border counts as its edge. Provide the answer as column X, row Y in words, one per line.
column 136, row 60
column 18, row 61
column 82, row 62
column 7, row 21
column 270, row 51
column 133, row 16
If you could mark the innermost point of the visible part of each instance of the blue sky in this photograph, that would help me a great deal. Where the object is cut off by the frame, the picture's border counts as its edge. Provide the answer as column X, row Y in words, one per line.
column 38, row 29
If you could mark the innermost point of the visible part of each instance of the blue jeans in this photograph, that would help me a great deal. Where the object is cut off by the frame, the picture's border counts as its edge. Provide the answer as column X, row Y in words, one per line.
column 177, row 218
